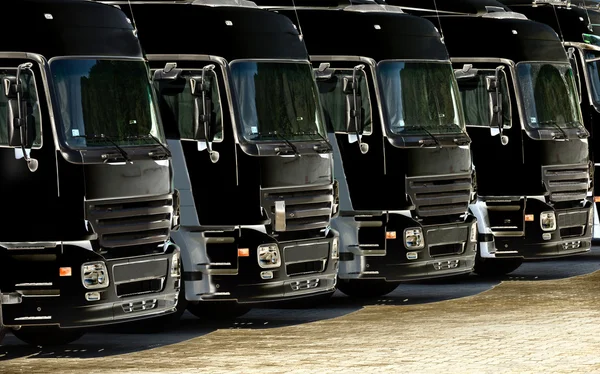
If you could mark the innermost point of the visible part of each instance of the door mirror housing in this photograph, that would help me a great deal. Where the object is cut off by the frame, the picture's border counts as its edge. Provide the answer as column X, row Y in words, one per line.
column 204, row 130
column 20, row 120
column 354, row 110
column 168, row 73
column 493, row 85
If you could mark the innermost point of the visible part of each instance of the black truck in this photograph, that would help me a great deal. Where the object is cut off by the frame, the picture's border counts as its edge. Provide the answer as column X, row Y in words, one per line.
column 530, row 147
column 253, row 166
column 88, row 179
column 579, row 29
column 402, row 154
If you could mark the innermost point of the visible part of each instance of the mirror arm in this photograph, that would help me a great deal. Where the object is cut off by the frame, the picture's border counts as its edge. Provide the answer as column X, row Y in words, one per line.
column 214, row 156
column 357, row 68
column 32, row 164
column 498, row 99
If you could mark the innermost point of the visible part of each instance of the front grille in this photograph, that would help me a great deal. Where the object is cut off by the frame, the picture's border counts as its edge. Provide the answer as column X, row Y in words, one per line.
column 571, row 219
column 306, row 259
column 566, row 182
column 305, row 284
column 140, row 287
column 440, row 195
column 572, row 232
column 128, row 222
column 446, row 249
column 300, row 209
column 303, row 268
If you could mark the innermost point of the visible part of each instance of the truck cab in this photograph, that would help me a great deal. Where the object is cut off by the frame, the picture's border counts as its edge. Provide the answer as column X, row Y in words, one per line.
column 88, row 179
column 252, row 162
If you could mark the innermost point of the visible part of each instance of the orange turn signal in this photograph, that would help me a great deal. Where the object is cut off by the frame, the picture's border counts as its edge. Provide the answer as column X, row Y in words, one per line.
column 243, row 252
column 597, row 199
column 390, row 234
column 529, row 217
column 64, row 272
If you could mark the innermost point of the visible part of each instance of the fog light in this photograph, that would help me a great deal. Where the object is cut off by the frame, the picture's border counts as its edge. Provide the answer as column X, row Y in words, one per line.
column 94, row 275
column 176, row 265
column 92, row 296
column 546, row 236
column 266, row 274
column 412, row 255
column 268, row 256
column 548, row 221
column 335, row 251
column 413, row 238
column 473, row 236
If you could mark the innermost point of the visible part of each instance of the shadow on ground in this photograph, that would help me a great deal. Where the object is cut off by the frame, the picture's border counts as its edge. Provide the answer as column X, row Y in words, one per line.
column 112, row 341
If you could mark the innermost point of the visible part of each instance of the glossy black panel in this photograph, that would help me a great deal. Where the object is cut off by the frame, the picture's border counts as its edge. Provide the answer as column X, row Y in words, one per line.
column 296, row 171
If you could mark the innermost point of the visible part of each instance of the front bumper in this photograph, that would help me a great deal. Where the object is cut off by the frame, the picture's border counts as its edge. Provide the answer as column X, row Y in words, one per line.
column 447, row 249
column 139, row 288
column 573, row 235
column 307, row 270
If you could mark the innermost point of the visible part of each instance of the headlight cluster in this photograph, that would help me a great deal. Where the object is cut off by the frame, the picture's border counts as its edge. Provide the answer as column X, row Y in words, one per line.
column 413, row 238
column 94, row 275
column 335, row 248
column 548, row 221
column 268, row 256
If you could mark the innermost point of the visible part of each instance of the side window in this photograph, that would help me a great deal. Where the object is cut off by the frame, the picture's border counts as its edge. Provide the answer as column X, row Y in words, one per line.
column 30, row 104
column 333, row 100
column 181, row 104
column 474, row 94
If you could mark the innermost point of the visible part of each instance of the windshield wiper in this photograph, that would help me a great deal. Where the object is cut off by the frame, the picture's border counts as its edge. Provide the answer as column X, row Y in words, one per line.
column 463, row 132
column 108, row 139
column 292, row 146
column 437, row 142
column 156, row 140
column 319, row 135
column 553, row 123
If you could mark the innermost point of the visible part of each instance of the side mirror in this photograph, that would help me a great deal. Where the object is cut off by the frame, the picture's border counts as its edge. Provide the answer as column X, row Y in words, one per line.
column 323, row 71
column 493, row 85
column 20, row 121
column 354, row 109
column 169, row 72
column 572, row 55
column 467, row 71
column 203, row 122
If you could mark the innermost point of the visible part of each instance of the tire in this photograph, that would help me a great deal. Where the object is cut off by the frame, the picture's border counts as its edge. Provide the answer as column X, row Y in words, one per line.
column 3, row 331
column 365, row 288
column 217, row 311
column 495, row 267
column 47, row 336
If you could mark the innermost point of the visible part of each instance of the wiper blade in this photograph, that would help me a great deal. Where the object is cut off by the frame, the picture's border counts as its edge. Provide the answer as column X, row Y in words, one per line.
column 152, row 137
column 108, row 139
column 437, row 142
column 292, row 146
column 553, row 123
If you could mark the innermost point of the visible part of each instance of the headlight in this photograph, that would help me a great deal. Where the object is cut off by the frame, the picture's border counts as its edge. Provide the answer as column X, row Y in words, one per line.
column 94, row 275
column 413, row 238
column 268, row 256
column 335, row 251
column 548, row 221
column 176, row 265
column 473, row 236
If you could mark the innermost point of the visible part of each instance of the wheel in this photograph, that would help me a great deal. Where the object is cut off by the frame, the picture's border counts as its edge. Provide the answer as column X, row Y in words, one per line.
column 217, row 311
column 47, row 336
column 364, row 288
column 494, row 267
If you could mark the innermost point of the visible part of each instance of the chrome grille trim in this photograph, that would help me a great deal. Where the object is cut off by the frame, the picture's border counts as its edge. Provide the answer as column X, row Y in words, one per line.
column 441, row 194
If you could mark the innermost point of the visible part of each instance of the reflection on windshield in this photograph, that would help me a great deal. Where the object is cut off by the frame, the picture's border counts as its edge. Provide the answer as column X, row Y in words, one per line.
column 105, row 97
column 420, row 95
column 549, row 95
column 31, row 101
column 333, row 100
column 277, row 99
column 593, row 70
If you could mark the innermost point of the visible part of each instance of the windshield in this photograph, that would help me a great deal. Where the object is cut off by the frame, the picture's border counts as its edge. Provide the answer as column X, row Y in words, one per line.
column 420, row 96
column 105, row 99
column 475, row 98
column 277, row 99
column 549, row 95
column 592, row 59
